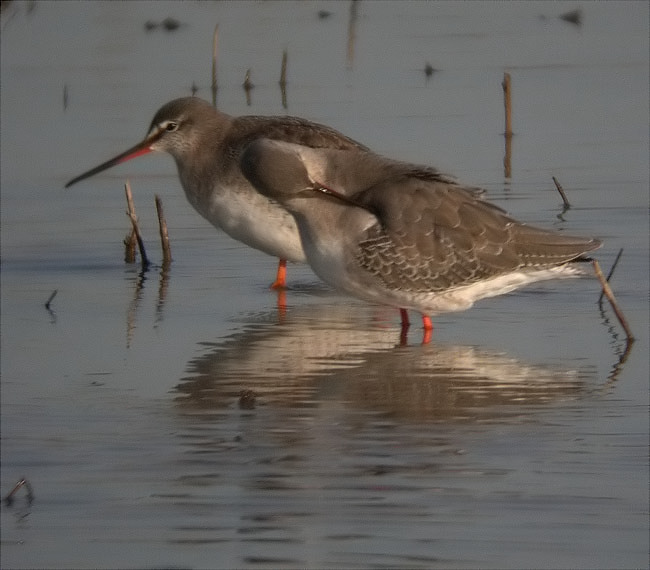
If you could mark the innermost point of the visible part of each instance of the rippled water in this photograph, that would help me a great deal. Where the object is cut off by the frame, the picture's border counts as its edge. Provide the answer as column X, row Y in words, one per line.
column 189, row 418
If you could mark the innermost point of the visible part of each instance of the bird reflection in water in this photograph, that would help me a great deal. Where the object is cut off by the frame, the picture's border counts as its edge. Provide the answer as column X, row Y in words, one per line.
column 326, row 354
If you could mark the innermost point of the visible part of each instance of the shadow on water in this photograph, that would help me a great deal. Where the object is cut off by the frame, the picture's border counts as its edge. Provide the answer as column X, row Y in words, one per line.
column 319, row 354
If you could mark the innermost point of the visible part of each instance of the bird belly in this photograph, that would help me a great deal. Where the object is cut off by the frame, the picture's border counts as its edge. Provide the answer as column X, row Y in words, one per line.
column 328, row 262
column 252, row 219
column 463, row 297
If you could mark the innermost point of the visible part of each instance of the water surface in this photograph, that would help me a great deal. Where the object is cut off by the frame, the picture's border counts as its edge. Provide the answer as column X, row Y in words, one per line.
column 181, row 419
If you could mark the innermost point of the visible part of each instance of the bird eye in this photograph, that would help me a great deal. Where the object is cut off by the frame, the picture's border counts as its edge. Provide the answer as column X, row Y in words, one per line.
column 171, row 126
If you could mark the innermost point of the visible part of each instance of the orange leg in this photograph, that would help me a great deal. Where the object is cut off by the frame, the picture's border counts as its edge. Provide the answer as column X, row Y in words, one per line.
column 281, row 277
column 427, row 325
column 428, row 329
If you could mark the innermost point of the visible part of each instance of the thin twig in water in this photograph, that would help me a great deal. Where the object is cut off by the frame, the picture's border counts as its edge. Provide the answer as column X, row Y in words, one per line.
column 134, row 223
column 248, row 86
column 283, row 80
column 283, row 70
column 507, row 157
column 130, row 244
column 612, row 300
column 352, row 25
column 215, row 44
column 507, row 101
column 9, row 499
column 164, row 235
column 611, row 272
column 50, row 298
column 567, row 205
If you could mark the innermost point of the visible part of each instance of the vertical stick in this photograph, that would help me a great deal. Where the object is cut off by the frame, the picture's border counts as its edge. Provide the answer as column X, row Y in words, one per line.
column 215, row 44
column 507, row 100
column 283, row 70
column 283, row 79
column 130, row 243
column 248, row 86
column 164, row 235
column 134, row 223
column 352, row 24
column 507, row 157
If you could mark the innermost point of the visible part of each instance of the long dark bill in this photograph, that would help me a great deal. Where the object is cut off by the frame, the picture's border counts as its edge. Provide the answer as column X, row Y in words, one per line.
column 139, row 149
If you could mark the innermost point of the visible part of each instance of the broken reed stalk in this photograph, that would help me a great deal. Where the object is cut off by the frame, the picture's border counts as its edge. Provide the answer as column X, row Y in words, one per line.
column 507, row 164
column 50, row 299
column 130, row 241
column 248, row 86
column 283, row 70
column 507, row 100
column 612, row 300
column 9, row 499
column 130, row 244
column 164, row 235
column 215, row 44
column 507, row 157
column 283, row 80
column 352, row 24
column 567, row 204
column 134, row 223
column 609, row 275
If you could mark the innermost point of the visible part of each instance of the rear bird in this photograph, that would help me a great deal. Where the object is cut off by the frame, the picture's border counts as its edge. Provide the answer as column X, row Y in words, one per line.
column 206, row 145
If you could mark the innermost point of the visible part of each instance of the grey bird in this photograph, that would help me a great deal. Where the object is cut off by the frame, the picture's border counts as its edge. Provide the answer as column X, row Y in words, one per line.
column 404, row 235
column 206, row 145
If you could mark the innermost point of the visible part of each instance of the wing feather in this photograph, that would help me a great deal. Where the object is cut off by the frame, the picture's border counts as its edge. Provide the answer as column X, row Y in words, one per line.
column 433, row 235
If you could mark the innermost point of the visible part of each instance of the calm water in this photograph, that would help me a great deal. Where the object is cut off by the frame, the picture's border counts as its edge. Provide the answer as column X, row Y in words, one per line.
column 181, row 419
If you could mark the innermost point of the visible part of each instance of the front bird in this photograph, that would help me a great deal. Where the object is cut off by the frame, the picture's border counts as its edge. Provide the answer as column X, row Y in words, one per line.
column 404, row 235
column 206, row 145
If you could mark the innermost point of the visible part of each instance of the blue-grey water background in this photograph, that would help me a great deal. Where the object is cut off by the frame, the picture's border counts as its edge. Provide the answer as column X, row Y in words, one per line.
column 515, row 439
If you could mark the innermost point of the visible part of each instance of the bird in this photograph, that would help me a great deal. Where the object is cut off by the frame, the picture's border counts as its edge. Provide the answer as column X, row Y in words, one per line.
column 206, row 145
column 405, row 235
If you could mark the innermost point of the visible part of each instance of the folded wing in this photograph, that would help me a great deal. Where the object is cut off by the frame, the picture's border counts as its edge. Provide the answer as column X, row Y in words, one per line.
column 432, row 236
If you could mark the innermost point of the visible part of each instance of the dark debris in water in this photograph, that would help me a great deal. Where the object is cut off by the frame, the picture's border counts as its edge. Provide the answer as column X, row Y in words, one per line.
column 429, row 70
column 247, row 400
column 573, row 17
column 168, row 24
